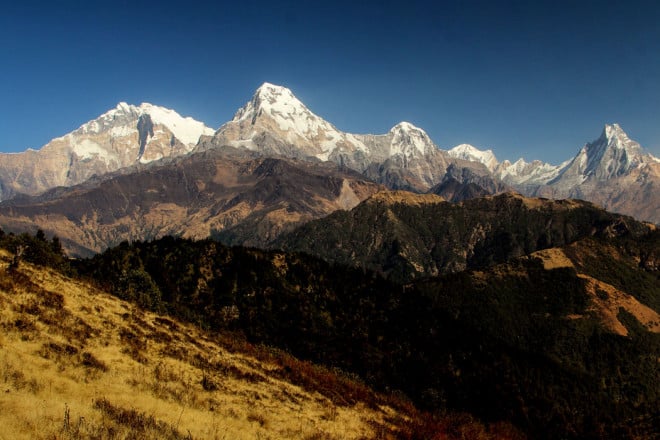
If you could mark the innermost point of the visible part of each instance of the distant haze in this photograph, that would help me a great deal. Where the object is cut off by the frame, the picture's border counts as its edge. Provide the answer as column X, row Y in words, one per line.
column 533, row 79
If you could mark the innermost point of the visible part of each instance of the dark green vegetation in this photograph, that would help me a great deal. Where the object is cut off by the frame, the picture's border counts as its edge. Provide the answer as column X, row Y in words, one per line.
column 498, row 343
column 407, row 241
column 36, row 249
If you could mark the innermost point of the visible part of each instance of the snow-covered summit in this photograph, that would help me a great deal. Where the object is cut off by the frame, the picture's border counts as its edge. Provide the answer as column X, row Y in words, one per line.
column 521, row 172
column 275, row 112
column 123, row 118
column 471, row 153
column 409, row 140
column 280, row 104
column 121, row 137
column 611, row 155
column 613, row 136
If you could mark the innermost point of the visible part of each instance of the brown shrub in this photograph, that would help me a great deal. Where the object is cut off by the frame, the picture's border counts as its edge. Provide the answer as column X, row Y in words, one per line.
column 89, row 361
column 135, row 345
column 55, row 351
column 138, row 423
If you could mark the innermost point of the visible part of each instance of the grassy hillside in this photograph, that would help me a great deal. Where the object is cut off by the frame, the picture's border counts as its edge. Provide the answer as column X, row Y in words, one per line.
column 79, row 363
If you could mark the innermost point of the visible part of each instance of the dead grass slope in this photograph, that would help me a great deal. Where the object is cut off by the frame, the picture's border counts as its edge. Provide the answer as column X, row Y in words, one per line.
column 78, row 363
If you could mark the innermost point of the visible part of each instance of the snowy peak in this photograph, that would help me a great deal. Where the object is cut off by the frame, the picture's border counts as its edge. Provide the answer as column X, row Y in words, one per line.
column 273, row 93
column 611, row 155
column 468, row 152
column 410, row 140
column 274, row 101
column 613, row 136
column 186, row 129
column 524, row 173
column 121, row 137
column 279, row 104
column 123, row 119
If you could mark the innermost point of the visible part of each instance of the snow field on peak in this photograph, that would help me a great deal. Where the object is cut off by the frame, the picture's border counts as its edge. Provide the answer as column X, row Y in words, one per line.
column 405, row 135
column 87, row 149
column 121, row 122
column 295, row 119
column 187, row 129
column 471, row 153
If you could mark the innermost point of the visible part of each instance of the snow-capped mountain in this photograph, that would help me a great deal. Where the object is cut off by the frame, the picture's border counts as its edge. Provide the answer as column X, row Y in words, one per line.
column 473, row 154
column 610, row 156
column 274, row 121
column 521, row 173
column 121, row 137
column 516, row 173
column 613, row 171
column 410, row 141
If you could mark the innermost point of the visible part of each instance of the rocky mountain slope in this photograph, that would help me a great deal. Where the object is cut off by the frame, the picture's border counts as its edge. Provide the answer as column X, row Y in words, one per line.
column 408, row 237
column 612, row 171
column 119, row 138
column 235, row 195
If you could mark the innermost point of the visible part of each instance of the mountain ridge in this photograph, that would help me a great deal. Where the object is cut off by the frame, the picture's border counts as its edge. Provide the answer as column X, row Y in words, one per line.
column 613, row 170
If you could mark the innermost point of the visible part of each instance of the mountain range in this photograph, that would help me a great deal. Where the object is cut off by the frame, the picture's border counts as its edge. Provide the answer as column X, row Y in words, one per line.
column 453, row 283
column 123, row 176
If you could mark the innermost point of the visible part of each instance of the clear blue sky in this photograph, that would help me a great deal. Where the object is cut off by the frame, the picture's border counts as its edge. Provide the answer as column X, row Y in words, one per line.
column 536, row 79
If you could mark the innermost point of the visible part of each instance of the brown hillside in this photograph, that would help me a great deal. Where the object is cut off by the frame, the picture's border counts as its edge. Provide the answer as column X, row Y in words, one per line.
column 78, row 363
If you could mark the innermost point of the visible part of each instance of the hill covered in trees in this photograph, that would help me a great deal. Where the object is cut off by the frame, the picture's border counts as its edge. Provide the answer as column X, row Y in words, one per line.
column 561, row 342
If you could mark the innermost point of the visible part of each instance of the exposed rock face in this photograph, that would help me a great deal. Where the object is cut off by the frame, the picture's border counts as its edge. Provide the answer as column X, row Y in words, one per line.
column 240, row 197
column 408, row 239
column 463, row 183
column 122, row 137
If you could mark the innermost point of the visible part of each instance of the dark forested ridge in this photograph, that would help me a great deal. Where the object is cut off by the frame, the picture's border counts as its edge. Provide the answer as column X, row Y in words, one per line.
column 410, row 240
column 525, row 341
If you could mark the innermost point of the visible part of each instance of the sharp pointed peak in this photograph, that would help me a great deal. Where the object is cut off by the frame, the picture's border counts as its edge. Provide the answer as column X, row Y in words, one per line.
column 613, row 136
column 268, row 85
column 613, row 130
column 272, row 90
column 405, row 126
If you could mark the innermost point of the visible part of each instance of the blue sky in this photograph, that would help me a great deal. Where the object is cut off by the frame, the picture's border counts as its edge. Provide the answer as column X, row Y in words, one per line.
column 536, row 79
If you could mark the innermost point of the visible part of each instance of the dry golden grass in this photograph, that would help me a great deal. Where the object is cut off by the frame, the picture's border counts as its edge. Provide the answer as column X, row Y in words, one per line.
column 78, row 363
column 606, row 300
column 391, row 197
column 553, row 258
